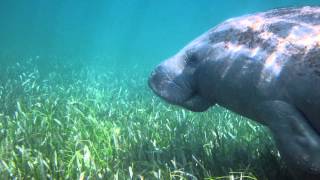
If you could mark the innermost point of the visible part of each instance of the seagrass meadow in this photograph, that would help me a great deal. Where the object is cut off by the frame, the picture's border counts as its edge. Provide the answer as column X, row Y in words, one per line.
column 80, row 123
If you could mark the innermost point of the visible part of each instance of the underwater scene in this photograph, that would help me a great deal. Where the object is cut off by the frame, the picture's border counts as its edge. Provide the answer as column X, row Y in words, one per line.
column 79, row 98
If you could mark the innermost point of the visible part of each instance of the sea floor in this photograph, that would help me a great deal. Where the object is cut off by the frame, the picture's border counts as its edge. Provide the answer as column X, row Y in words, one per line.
column 80, row 123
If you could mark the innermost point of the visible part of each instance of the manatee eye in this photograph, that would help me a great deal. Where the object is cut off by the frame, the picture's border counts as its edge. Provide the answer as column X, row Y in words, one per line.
column 195, row 55
column 191, row 57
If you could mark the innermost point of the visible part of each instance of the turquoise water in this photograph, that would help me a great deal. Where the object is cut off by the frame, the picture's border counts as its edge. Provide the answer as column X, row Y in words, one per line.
column 141, row 32
column 74, row 100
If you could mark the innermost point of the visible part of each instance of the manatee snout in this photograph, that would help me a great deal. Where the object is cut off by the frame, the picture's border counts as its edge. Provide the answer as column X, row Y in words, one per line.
column 169, row 86
column 176, row 83
column 156, row 79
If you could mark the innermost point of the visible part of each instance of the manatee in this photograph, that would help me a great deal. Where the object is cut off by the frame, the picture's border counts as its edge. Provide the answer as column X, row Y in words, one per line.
column 264, row 66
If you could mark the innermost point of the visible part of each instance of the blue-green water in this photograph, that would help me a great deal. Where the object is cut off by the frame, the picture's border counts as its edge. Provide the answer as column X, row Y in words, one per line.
column 74, row 100
column 141, row 32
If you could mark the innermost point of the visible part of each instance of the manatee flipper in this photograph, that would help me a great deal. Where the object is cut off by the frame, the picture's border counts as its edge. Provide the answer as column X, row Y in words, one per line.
column 298, row 142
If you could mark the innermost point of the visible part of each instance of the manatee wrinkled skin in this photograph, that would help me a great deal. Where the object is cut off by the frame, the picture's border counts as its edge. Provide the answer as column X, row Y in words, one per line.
column 264, row 66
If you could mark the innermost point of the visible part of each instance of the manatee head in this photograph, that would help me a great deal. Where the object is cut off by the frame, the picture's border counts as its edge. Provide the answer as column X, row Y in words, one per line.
column 176, row 79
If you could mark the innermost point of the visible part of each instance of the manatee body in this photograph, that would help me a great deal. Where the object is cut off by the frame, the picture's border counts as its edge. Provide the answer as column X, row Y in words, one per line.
column 264, row 66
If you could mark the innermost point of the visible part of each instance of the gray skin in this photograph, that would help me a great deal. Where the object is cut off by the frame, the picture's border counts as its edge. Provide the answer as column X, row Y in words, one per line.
column 264, row 66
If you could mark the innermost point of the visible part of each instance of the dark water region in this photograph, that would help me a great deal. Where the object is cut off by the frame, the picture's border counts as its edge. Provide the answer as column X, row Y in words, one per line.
column 74, row 101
